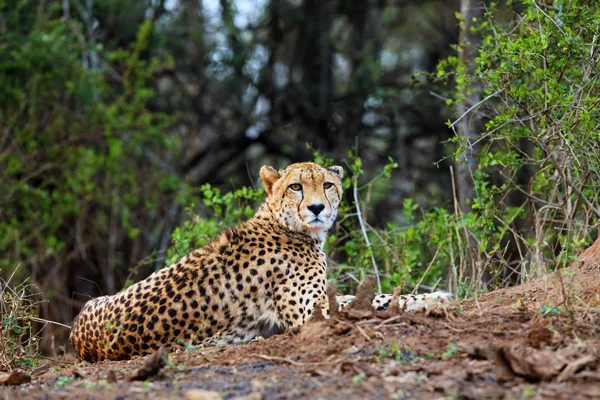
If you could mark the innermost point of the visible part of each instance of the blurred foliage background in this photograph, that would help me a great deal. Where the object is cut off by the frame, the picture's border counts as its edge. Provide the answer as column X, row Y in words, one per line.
column 133, row 131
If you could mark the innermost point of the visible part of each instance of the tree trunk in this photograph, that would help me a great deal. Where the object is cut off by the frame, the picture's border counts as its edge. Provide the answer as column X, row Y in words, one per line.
column 315, row 45
column 469, row 129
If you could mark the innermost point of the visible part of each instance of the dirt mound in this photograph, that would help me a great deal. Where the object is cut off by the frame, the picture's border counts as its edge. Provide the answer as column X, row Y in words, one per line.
column 574, row 287
column 538, row 340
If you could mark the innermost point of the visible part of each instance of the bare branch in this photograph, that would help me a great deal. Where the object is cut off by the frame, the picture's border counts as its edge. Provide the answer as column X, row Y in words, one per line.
column 364, row 231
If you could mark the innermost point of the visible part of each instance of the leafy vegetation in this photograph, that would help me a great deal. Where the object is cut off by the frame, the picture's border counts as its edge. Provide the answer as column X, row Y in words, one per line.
column 80, row 154
column 537, row 176
column 451, row 350
column 401, row 354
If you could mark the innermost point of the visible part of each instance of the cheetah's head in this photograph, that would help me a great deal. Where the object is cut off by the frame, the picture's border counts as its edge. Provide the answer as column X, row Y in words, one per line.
column 304, row 197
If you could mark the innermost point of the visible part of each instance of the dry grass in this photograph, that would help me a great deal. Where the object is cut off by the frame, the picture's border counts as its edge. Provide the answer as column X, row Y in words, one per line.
column 18, row 339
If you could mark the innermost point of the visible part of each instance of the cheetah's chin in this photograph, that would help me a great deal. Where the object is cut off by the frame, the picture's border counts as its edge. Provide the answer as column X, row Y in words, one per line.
column 315, row 223
column 316, row 227
column 312, row 225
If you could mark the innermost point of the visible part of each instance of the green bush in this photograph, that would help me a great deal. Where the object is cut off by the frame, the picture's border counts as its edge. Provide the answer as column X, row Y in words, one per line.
column 539, row 160
column 83, row 157
column 67, row 159
column 399, row 250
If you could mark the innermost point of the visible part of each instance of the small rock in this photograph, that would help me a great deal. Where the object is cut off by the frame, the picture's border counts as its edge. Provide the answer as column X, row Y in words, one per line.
column 200, row 394
column 111, row 376
column 258, row 385
column 41, row 370
column 15, row 377
column 251, row 396
column 530, row 363
column 79, row 373
column 152, row 365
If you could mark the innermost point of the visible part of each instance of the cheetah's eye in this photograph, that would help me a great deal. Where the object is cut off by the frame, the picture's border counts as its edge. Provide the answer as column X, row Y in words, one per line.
column 296, row 187
column 327, row 185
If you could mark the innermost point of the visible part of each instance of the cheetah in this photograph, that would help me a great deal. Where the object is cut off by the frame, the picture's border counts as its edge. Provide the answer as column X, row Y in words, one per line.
column 257, row 279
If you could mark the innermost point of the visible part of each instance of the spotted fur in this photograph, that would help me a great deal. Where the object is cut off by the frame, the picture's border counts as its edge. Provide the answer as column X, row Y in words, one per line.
column 257, row 279
column 408, row 302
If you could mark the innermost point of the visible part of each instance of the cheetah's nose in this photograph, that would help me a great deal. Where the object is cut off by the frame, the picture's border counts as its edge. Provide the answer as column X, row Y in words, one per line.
column 316, row 208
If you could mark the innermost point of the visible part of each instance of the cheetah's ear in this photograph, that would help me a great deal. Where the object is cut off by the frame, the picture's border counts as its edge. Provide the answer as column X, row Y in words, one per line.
column 339, row 171
column 268, row 176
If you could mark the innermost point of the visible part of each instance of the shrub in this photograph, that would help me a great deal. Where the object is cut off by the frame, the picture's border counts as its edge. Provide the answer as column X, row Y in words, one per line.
column 83, row 157
column 18, row 342
column 536, row 205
